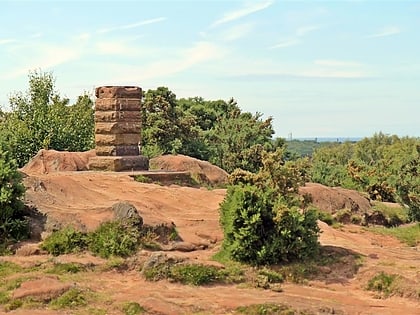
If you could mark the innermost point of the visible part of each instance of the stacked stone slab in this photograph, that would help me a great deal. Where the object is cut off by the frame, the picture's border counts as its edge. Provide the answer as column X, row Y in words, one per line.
column 117, row 129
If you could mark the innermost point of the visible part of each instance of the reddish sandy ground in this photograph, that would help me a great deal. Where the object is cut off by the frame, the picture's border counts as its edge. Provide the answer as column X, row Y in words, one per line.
column 86, row 197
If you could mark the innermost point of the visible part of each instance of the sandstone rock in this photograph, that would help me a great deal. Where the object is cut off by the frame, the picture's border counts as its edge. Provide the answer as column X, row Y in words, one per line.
column 126, row 211
column 117, row 139
column 118, row 91
column 120, row 116
column 43, row 289
column 117, row 150
column 120, row 104
column 117, row 127
column 119, row 163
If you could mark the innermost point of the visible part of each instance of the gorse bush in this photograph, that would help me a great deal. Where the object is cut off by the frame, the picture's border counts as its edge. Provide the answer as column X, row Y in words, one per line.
column 13, row 226
column 116, row 238
column 387, row 168
column 65, row 241
column 261, row 220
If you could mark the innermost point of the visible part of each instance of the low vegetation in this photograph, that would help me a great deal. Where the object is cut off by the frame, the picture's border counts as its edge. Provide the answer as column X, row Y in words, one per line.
column 270, row 309
column 409, row 234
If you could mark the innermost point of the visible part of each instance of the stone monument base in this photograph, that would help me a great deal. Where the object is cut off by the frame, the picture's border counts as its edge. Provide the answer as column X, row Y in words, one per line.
column 119, row 163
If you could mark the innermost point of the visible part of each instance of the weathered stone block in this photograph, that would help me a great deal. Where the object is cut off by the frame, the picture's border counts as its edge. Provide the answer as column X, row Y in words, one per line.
column 119, row 163
column 118, row 91
column 112, row 116
column 117, row 139
column 117, row 127
column 125, row 104
column 117, row 150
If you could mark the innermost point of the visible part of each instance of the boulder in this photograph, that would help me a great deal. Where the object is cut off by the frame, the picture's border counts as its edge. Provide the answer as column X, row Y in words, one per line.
column 126, row 211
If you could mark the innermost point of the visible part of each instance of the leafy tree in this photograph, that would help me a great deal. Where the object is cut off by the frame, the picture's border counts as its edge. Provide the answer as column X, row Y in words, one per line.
column 238, row 139
column 385, row 167
column 40, row 118
column 12, row 224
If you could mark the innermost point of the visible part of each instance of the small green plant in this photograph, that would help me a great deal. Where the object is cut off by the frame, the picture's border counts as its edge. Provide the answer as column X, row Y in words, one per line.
column 4, row 297
column 133, row 308
column 382, row 283
column 73, row 298
column 326, row 217
column 142, row 179
column 268, row 309
column 195, row 274
column 116, row 238
column 65, row 241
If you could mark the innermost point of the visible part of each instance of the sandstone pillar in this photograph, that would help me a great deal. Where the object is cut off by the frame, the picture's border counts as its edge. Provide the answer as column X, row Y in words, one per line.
column 117, row 129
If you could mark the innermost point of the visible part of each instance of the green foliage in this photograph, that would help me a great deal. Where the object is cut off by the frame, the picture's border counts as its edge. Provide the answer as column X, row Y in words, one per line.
column 116, row 238
column 73, row 298
column 216, row 131
column 133, row 308
column 268, row 309
column 386, row 167
column 260, row 217
column 13, row 226
column 65, row 241
column 41, row 119
column 409, row 234
column 382, row 283
column 194, row 274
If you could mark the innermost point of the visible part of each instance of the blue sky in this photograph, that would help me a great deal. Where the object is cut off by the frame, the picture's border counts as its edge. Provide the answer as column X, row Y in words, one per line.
column 319, row 68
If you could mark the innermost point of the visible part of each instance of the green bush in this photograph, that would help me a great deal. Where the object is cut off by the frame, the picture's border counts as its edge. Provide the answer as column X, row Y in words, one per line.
column 65, row 241
column 13, row 225
column 259, row 230
column 382, row 283
column 116, row 238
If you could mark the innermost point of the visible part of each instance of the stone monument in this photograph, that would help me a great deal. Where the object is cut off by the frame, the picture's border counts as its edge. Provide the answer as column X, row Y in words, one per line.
column 117, row 129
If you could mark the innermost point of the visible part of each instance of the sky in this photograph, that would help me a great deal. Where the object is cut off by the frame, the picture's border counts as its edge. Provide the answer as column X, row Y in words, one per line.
column 319, row 68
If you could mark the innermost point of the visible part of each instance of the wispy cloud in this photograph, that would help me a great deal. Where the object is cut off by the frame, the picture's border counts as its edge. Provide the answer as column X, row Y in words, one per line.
column 296, row 39
column 7, row 41
column 386, row 31
column 286, row 43
column 237, row 32
column 249, row 8
column 132, row 25
column 337, row 63
column 301, row 31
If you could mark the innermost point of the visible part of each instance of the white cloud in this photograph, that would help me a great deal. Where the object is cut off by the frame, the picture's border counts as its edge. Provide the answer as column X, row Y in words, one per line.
column 6, row 41
column 295, row 40
column 132, row 25
column 237, row 32
column 336, row 63
column 247, row 10
column 301, row 31
column 386, row 31
column 287, row 43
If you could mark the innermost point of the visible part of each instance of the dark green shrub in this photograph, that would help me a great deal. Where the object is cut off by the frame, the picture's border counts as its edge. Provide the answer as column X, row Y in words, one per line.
column 65, row 241
column 116, row 238
column 13, row 226
column 260, row 230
